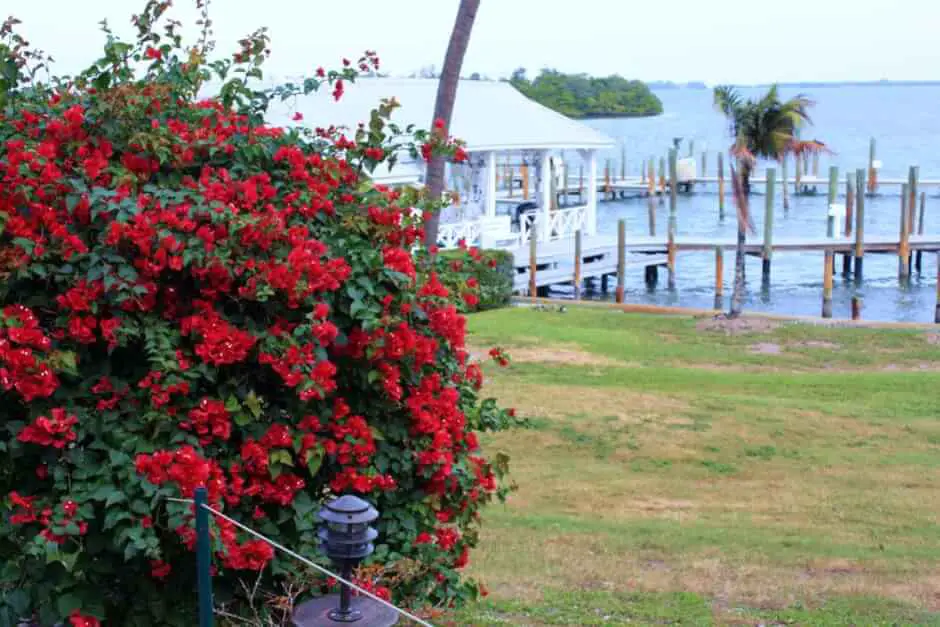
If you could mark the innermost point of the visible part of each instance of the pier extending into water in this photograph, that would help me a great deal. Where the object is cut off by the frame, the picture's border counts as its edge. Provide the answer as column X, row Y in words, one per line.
column 572, row 260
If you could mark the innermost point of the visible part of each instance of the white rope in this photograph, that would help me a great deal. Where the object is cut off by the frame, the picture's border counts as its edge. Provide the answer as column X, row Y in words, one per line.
column 303, row 559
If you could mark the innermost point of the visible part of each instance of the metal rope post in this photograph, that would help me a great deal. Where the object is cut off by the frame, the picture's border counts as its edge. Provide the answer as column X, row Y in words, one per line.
column 203, row 559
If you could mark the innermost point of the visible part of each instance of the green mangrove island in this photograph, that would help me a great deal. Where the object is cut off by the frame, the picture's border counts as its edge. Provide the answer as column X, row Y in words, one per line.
column 583, row 96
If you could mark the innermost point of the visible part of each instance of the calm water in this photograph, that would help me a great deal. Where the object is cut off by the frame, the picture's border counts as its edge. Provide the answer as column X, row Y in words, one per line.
column 906, row 124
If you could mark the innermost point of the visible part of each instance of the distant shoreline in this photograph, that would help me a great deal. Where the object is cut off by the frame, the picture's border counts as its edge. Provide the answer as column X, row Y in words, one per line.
column 804, row 85
column 609, row 116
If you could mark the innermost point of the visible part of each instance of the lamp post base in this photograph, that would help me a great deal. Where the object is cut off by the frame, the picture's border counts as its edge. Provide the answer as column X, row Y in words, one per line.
column 324, row 611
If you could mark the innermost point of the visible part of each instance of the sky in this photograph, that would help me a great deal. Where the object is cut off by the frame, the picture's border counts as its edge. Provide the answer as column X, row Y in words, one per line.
column 716, row 41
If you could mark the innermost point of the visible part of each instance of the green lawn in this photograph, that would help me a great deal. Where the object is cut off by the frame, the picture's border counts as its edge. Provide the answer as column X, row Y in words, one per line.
column 677, row 475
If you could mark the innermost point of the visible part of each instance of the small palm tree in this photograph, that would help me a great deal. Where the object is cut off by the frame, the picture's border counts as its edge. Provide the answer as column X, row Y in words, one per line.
column 763, row 128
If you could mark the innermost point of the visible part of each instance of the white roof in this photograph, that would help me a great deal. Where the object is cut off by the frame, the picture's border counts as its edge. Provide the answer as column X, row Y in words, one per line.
column 487, row 115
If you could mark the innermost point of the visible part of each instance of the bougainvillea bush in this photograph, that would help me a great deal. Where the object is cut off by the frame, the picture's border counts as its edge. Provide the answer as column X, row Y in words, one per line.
column 192, row 298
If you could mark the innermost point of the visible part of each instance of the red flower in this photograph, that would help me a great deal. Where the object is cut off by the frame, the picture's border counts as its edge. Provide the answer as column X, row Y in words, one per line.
column 77, row 619
column 56, row 432
column 298, row 117
column 159, row 569
column 399, row 260
column 153, row 53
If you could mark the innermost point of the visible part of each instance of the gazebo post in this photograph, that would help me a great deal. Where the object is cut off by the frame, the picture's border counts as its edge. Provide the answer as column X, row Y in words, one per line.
column 489, row 192
column 590, row 217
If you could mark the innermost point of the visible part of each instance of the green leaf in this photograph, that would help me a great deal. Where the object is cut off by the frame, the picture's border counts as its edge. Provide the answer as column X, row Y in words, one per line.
column 232, row 405
column 376, row 433
column 314, row 461
column 68, row 603
column 281, row 457
column 254, row 404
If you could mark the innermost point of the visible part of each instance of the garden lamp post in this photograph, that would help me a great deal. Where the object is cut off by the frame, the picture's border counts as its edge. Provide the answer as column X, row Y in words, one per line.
column 346, row 538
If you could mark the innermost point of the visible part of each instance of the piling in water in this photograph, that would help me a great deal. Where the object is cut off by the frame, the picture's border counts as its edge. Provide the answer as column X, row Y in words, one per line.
column 623, row 162
column 912, row 176
column 904, row 232
column 721, row 186
column 920, row 229
column 662, row 179
column 719, row 277
column 798, row 174
column 833, row 193
column 673, row 183
column 704, row 164
column 651, row 198
column 671, row 257
column 576, row 279
column 859, row 223
column 827, row 285
column 872, row 172
column 856, row 308
column 936, row 313
column 816, row 165
column 607, row 176
column 783, row 176
column 651, row 275
column 768, row 249
column 621, row 257
column 849, row 217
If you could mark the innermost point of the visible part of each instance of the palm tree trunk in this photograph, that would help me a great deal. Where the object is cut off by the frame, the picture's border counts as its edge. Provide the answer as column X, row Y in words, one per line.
column 444, row 105
column 737, row 296
column 738, row 182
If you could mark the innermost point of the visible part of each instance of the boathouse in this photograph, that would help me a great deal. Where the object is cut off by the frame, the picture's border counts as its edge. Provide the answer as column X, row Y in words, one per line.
column 519, row 152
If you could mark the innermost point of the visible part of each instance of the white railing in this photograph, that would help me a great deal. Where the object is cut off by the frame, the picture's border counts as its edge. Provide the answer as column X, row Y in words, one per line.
column 565, row 222
column 449, row 234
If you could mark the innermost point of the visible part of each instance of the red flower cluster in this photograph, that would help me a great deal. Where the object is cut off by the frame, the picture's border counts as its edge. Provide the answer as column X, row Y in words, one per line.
column 56, row 432
column 20, row 368
column 209, row 420
column 221, row 343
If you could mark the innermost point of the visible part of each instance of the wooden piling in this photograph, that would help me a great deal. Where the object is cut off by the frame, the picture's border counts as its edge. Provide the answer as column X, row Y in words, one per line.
column 607, row 176
column 816, row 165
column 577, row 265
column 805, row 167
column 719, row 276
column 904, row 239
column 872, row 172
column 856, row 308
column 623, row 163
column 704, row 163
column 643, row 173
column 859, row 223
column 920, row 229
column 721, row 186
column 831, row 199
column 827, row 285
column 533, row 262
column 798, row 174
column 671, row 259
column 662, row 179
column 673, row 183
column 849, row 205
column 525, row 181
column 768, row 249
column 621, row 257
column 936, row 313
column 651, row 199
column 912, row 176
column 581, row 183
column 849, row 217
column 783, row 176
column 691, row 148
